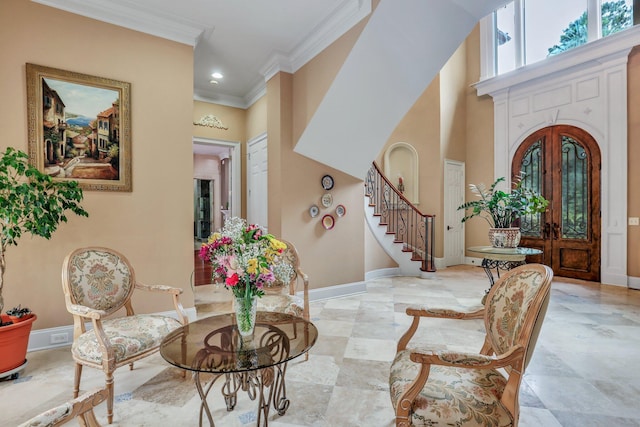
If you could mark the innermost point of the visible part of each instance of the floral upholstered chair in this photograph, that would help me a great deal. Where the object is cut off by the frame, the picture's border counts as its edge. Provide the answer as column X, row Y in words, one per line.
column 281, row 296
column 98, row 282
column 80, row 407
column 448, row 388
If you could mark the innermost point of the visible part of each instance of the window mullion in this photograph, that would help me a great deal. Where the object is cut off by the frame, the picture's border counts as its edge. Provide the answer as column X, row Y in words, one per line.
column 488, row 47
column 594, row 20
column 519, row 39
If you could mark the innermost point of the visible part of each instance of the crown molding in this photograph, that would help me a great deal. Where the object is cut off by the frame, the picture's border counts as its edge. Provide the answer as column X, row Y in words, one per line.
column 257, row 92
column 130, row 15
column 226, row 100
column 341, row 20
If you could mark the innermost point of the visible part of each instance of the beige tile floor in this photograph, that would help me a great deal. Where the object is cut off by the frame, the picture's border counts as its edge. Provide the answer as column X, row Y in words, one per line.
column 584, row 371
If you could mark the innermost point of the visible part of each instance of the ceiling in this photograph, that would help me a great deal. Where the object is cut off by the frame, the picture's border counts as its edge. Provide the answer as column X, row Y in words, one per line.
column 248, row 41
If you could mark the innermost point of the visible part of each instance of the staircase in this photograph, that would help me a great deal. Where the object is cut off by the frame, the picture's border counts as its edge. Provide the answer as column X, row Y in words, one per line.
column 410, row 229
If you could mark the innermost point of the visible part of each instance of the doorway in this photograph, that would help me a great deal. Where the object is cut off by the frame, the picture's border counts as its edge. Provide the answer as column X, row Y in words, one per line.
column 563, row 164
column 453, row 197
column 257, row 181
column 203, row 208
column 217, row 171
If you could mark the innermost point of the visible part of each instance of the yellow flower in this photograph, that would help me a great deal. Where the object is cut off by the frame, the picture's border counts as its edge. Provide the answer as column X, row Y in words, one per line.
column 252, row 266
column 214, row 237
column 276, row 244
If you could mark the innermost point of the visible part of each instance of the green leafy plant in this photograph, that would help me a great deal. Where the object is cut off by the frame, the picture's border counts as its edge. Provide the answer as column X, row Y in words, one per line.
column 501, row 209
column 31, row 202
column 19, row 311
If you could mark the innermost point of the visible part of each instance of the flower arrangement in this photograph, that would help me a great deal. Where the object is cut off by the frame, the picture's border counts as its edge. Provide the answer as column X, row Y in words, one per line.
column 243, row 256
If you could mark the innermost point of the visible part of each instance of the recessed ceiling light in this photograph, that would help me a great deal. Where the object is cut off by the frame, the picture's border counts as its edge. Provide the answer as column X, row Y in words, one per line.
column 213, row 82
column 216, row 75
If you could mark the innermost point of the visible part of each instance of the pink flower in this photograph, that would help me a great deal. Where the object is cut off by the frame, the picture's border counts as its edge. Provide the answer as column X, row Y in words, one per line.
column 232, row 280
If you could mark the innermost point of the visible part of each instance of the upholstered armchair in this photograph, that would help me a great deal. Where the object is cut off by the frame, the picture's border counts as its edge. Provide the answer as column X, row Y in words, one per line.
column 97, row 283
column 283, row 298
column 469, row 389
column 80, row 407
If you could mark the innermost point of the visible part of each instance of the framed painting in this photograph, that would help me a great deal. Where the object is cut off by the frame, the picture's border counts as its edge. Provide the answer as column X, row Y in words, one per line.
column 79, row 127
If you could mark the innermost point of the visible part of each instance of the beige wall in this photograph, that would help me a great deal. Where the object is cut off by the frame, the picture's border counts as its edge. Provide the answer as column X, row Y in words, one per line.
column 162, row 196
column 300, row 181
column 479, row 137
column 153, row 224
column 435, row 128
column 234, row 119
column 257, row 118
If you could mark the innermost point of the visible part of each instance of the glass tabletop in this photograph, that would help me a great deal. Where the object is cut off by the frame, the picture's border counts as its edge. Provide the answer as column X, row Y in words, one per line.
column 213, row 344
column 504, row 251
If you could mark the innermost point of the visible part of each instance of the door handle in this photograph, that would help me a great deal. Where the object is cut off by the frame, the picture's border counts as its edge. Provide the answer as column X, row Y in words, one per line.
column 546, row 233
column 449, row 227
column 556, row 231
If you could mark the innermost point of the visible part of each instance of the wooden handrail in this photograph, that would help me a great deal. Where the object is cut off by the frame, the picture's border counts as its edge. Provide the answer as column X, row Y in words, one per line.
column 401, row 195
column 402, row 218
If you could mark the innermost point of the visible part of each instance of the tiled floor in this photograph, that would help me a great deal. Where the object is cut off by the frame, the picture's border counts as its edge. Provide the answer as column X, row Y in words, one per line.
column 583, row 372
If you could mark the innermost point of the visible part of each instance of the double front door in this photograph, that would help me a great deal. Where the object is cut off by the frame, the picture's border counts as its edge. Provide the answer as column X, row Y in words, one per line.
column 563, row 164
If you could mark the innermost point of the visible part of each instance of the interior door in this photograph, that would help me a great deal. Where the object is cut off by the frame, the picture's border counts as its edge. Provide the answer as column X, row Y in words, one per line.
column 563, row 164
column 453, row 227
column 257, row 188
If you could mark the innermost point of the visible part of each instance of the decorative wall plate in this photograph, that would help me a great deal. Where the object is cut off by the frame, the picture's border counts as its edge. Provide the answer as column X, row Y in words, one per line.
column 314, row 210
column 341, row 210
column 327, row 182
column 328, row 222
column 327, row 200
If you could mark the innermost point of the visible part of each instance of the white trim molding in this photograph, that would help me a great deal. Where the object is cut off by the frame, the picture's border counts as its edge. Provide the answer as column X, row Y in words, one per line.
column 587, row 88
column 45, row 339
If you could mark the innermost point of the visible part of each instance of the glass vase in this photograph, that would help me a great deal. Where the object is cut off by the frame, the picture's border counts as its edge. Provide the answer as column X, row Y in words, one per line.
column 245, row 308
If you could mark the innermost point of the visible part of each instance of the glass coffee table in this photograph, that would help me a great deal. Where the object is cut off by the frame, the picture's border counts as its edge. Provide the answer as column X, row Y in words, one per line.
column 213, row 345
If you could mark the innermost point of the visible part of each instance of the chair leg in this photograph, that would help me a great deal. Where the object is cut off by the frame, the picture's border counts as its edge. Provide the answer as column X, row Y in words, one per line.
column 88, row 419
column 109, row 384
column 76, row 380
column 131, row 366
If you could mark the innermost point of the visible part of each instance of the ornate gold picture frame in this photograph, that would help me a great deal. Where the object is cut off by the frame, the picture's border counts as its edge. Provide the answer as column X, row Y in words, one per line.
column 79, row 127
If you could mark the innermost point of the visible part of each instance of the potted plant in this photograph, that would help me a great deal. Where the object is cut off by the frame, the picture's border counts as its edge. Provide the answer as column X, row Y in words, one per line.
column 503, row 209
column 30, row 202
column 19, row 314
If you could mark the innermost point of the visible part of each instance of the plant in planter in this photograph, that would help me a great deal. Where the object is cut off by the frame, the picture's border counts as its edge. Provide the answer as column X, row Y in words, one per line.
column 502, row 209
column 19, row 313
column 30, row 202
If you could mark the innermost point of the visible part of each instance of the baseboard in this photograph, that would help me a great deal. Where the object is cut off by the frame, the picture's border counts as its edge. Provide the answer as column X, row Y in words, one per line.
column 382, row 272
column 473, row 261
column 634, row 282
column 44, row 339
column 337, row 291
column 439, row 263
column 60, row 336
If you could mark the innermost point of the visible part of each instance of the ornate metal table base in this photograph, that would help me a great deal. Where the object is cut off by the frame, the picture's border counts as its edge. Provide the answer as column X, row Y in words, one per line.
column 253, row 383
column 501, row 259
column 256, row 365
column 489, row 264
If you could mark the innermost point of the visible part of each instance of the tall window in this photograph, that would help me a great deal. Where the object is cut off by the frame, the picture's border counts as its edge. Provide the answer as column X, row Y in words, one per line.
column 527, row 31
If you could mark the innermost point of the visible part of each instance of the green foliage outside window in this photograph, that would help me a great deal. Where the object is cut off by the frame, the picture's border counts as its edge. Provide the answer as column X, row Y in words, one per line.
column 616, row 15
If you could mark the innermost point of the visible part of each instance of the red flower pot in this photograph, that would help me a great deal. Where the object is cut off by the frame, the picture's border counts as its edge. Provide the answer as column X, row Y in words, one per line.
column 14, row 340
